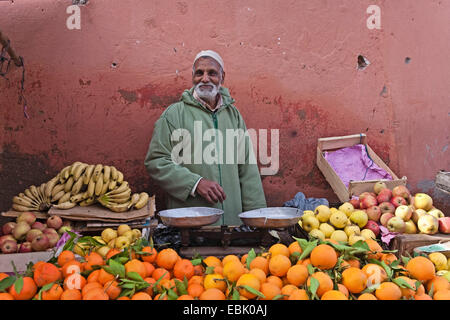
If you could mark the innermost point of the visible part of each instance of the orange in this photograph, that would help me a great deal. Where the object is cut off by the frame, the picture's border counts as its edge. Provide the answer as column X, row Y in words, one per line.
column 104, row 277
column 409, row 293
column 3, row 276
column 423, row 296
column 367, row 296
column 333, row 295
column 323, row 257
column 354, row 263
column 421, row 268
column 93, row 259
column 244, row 258
column 54, row 293
column 65, row 256
column 325, row 282
column 149, row 268
column 375, row 273
column 151, row 257
column 71, row 294
column 269, row 290
column 304, row 262
column 195, row 290
column 375, row 248
column 275, row 280
column 248, row 280
column 93, row 276
column 71, row 267
column 299, row 294
column 112, row 289
column 215, row 280
column 233, row 270
column 137, row 266
column 212, row 294
column 183, row 268
column 29, row 289
column 158, row 297
column 279, row 265
column 212, row 261
column 37, row 264
column 74, row 281
column 442, row 295
column 294, row 247
column 297, row 275
column 354, row 279
column 160, row 272
column 438, row 283
column 199, row 270
column 167, row 258
column 228, row 258
column 388, row 258
column 95, row 294
column 185, row 297
column 46, row 273
column 123, row 298
column 89, row 286
column 5, row 296
column 149, row 289
column 259, row 274
column 287, row 290
column 196, row 279
column 112, row 252
column 343, row 289
column 167, row 284
column 388, row 291
column 260, row 263
column 277, row 249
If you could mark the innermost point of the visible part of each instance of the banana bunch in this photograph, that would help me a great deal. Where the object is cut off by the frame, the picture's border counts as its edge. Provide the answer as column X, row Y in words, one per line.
column 83, row 184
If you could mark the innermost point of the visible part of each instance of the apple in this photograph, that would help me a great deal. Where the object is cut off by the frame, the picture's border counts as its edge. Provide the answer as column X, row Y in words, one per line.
column 39, row 225
column 8, row 228
column 428, row 224
column 103, row 251
column 355, row 203
column 372, row 225
column 54, row 222
column 384, row 196
column 423, row 201
column 121, row 242
column 396, row 224
column 380, row 185
column 322, row 213
column 417, row 214
column 374, row 213
column 122, row 229
column 64, row 229
column 25, row 247
column 398, row 201
column 386, row 207
column 436, row 213
column 403, row 212
column 109, row 234
column 410, row 227
column 137, row 233
column 9, row 246
column 27, row 217
column 385, row 217
column 33, row 233
column 7, row 237
column 21, row 230
column 444, row 225
column 40, row 243
column 368, row 201
column 401, row 191
column 53, row 238
column 49, row 230
column 309, row 223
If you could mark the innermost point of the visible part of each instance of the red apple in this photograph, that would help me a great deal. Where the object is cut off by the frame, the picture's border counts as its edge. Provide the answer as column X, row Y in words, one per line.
column 33, row 233
column 365, row 194
column 380, row 185
column 21, row 230
column 49, row 230
column 386, row 207
column 8, row 228
column 9, row 246
column 54, row 222
column 398, row 201
column 27, row 217
column 368, row 201
column 384, row 196
column 40, row 243
column 372, row 225
column 385, row 217
column 444, row 225
column 5, row 238
column 52, row 239
column 39, row 225
column 374, row 213
column 401, row 191
column 355, row 203
column 25, row 247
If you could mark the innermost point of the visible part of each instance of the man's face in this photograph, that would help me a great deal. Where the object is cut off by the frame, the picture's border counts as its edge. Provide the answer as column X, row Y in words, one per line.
column 207, row 77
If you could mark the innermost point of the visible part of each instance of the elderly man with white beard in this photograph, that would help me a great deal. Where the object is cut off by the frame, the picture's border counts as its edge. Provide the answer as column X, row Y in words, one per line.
column 192, row 156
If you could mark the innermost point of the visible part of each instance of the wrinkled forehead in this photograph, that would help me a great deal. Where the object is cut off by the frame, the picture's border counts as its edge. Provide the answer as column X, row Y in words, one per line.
column 206, row 63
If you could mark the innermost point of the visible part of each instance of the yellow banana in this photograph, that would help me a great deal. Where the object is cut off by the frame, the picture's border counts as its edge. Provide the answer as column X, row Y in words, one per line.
column 30, row 195
column 91, row 188
column 23, row 202
column 105, row 188
column 69, row 184
column 35, row 192
column 50, row 185
column 56, row 189
column 77, row 187
column 58, row 196
column 18, row 207
column 64, row 174
column 79, row 171
column 119, row 177
column 112, row 185
column 119, row 207
column 74, row 167
column 97, row 170
column 87, row 202
column 99, row 185
column 64, row 198
column 106, row 174
column 114, row 173
column 65, row 205
column 78, row 197
column 28, row 199
column 88, row 174
column 143, row 199
column 134, row 199
column 124, row 186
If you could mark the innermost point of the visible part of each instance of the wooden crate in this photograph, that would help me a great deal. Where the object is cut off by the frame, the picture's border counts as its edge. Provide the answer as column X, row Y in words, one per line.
column 355, row 188
column 21, row 260
column 406, row 243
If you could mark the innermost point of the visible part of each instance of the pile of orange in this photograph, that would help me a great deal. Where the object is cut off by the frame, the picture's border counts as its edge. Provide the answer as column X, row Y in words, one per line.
column 276, row 274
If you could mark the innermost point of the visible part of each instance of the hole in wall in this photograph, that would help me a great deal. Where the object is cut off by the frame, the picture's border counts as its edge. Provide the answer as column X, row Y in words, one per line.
column 362, row 62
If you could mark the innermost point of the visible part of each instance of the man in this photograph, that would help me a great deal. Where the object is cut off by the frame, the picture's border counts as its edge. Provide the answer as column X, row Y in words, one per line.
column 233, row 186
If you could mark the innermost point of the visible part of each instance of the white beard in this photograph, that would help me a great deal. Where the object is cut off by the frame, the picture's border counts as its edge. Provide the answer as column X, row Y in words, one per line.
column 207, row 94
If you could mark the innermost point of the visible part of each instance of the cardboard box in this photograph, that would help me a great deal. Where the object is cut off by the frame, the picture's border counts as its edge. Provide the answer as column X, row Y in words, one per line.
column 407, row 243
column 21, row 260
column 355, row 188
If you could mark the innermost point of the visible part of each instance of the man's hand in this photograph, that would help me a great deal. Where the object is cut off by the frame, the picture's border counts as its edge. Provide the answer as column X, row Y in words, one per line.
column 211, row 191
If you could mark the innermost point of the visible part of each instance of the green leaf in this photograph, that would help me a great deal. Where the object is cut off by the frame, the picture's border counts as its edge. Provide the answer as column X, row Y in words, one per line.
column 417, row 284
column 236, row 295
column 48, row 286
column 402, row 283
column 134, row 276
column 117, row 268
column 306, row 252
column 128, row 285
column 302, row 242
column 181, row 288
column 161, row 297
column 7, row 282
column 196, row 262
column 431, row 292
column 405, row 260
column 310, row 269
column 159, row 280
column 171, row 295
column 253, row 291
column 360, row 244
column 279, row 296
column 185, row 282
column 209, row 270
column 314, row 285
column 18, row 285
column 371, row 288
column 251, row 255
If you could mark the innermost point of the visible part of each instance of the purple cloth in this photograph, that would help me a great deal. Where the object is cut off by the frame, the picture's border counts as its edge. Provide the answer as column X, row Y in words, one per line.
column 351, row 163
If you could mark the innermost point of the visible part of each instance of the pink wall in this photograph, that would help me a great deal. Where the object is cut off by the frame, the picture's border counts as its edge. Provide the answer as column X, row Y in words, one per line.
column 291, row 65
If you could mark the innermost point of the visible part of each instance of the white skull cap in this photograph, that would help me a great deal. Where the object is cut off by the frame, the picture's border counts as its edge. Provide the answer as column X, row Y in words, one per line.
column 211, row 54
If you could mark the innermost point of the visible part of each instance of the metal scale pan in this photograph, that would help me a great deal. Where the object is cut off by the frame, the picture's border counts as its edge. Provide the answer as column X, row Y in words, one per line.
column 275, row 217
column 191, row 217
